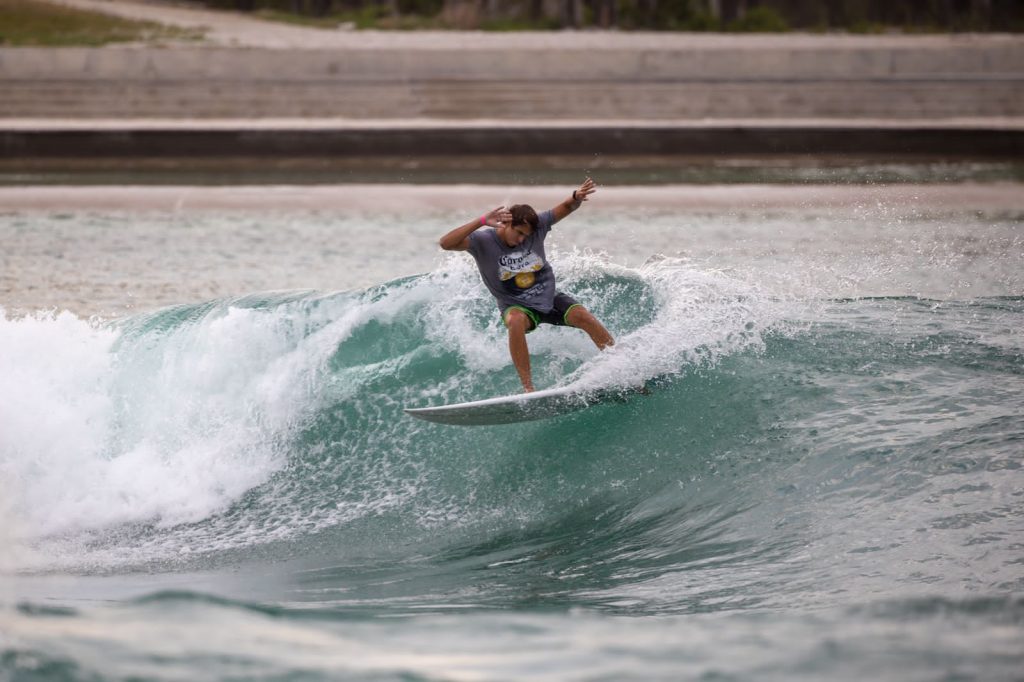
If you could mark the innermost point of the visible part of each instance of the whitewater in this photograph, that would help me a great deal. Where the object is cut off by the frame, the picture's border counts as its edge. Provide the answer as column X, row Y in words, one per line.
column 824, row 481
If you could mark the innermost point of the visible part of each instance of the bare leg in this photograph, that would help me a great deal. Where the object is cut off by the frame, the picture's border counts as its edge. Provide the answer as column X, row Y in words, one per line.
column 581, row 318
column 517, row 323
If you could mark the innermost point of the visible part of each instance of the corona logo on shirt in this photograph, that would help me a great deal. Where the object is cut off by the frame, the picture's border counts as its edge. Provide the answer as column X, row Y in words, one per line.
column 520, row 267
column 525, row 280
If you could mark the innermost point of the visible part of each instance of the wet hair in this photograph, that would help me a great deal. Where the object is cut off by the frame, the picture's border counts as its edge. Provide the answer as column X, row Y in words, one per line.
column 524, row 215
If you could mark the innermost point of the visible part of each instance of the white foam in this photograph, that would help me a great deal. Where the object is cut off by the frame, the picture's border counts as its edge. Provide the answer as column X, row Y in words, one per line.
column 102, row 428
column 700, row 315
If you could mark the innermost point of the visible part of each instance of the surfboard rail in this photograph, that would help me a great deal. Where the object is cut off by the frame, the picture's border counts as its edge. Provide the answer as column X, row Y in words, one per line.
column 511, row 409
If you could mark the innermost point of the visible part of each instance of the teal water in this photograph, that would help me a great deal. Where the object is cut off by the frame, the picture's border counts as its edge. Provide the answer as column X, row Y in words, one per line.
column 816, row 487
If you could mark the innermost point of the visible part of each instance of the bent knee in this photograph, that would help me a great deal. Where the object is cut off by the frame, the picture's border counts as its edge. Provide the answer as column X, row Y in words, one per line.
column 582, row 318
column 517, row 321
column 578, row 316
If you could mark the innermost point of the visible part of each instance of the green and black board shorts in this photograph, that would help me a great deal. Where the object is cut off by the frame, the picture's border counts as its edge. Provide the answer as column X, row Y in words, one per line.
column 563, row 304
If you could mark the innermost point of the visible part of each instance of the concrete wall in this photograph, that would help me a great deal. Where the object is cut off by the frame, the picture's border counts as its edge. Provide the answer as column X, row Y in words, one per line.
column 929, row 80
column 551, row 98
column 703, row 63
column 489, row 140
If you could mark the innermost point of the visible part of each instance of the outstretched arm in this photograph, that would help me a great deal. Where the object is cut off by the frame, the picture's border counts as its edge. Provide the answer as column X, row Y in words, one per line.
column 458, row 239
column 579, row 195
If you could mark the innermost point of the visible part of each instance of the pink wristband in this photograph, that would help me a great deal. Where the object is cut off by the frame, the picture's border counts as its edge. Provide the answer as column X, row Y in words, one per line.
column 483, row 219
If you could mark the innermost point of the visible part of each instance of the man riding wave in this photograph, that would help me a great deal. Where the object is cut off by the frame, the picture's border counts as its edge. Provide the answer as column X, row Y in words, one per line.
column 514, row 267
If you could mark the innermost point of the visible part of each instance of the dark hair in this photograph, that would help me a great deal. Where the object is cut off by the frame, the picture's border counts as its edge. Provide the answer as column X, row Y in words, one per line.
column 524, row 215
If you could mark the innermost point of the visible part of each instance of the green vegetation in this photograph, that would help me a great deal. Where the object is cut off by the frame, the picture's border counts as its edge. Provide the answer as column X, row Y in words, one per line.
column 366, row 16
column 36, row 22
column 32, row 22
column 858, row 16
column 760, row 20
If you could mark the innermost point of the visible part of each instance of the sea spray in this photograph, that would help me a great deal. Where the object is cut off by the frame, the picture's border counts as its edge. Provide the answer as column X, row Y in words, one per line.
column 696, row 317
column 199, row 420
column 56, row 413
column 272, row 425
column 833, row 493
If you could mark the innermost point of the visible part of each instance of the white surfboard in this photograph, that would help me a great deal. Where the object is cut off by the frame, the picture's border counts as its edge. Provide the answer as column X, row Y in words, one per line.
column 511, row 409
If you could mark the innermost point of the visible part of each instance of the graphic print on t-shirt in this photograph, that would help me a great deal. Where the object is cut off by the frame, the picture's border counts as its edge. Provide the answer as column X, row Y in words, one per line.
column 520, row 267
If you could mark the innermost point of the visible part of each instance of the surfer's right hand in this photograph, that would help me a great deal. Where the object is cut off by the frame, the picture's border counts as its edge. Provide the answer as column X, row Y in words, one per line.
column 496, row 217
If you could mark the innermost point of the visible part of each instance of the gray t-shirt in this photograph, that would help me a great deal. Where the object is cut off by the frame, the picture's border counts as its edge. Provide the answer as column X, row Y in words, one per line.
column 516, row 275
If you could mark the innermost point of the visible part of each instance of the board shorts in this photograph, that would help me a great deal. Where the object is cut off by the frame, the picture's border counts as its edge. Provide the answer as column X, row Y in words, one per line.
column 562, row 305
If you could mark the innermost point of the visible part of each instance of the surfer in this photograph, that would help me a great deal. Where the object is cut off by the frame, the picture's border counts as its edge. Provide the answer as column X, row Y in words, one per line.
column 510, row 257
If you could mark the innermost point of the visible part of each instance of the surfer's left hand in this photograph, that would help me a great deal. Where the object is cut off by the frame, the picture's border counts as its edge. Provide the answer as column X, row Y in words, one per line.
column 585, row 190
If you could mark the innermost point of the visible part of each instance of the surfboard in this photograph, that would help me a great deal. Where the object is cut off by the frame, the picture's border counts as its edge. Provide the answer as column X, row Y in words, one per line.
column 512, row 409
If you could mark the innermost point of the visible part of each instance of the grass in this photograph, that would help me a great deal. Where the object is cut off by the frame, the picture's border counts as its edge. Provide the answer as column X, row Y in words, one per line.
column 329, row 22
column 370, row 17
column 34, row 23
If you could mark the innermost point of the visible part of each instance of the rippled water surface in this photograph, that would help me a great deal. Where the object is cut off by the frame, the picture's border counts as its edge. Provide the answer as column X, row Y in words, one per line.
column 217, row 481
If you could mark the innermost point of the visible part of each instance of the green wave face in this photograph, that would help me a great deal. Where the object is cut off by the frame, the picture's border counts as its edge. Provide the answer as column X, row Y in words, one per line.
column 270, row 429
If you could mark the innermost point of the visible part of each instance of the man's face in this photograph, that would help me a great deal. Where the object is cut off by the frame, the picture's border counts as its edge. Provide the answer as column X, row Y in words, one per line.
column 514, row 235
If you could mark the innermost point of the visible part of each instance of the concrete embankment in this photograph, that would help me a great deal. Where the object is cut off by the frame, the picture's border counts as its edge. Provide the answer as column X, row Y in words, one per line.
column 529, row 93
column 304, row 139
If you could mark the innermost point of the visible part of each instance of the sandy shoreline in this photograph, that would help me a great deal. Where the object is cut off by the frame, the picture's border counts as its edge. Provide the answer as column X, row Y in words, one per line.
column 1004, row 196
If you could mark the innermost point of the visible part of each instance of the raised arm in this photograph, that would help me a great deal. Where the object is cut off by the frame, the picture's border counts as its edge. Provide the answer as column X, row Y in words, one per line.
column 579, row 195
column 458, row 239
